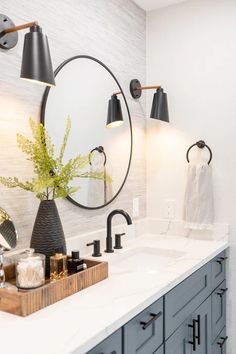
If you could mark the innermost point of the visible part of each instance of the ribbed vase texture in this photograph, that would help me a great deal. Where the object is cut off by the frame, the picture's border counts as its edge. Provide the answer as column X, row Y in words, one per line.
column 48, row 236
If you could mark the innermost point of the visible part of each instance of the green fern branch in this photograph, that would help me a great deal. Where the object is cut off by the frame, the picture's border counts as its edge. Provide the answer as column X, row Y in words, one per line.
column 52, row 177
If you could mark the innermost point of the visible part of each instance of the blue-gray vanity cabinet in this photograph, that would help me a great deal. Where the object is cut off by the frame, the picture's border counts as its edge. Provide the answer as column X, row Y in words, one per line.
column 181, row 301
column 219, row 345
column 160, row 350
column 144, row 333
column 194, row 334
column 202, row 320
column 179, row 341
column 218, row 306
column 110, row 345
column 218, row 265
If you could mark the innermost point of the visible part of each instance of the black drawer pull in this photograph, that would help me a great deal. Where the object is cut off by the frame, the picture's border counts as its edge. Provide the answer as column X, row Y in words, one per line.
column 198, row 336
column 224, row 339
column 221, row 259
column 155, row 316
column 221, row 292
column 193, row 342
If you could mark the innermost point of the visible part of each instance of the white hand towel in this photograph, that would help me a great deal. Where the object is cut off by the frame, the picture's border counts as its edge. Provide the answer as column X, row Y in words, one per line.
column 99, row 191
column 198, row 205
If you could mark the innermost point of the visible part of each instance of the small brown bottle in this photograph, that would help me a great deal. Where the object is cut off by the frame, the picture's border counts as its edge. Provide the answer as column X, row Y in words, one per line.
column 58, row 266
column 75, row 264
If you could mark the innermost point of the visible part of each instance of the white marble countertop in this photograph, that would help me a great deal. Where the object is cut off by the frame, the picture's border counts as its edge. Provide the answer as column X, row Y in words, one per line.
column 79, row 322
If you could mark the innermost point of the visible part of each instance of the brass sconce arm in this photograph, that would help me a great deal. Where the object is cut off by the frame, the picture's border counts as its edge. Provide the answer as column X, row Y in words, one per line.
column 148, row 87
column 141, row 88
column 20, row 27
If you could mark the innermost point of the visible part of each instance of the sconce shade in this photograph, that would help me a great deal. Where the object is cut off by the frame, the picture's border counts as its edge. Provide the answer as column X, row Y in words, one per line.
column 160, row 106
column 36, row 59
column 114, row 114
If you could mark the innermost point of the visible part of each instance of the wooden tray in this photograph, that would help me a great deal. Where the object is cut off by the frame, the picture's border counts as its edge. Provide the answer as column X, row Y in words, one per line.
column 24, row 303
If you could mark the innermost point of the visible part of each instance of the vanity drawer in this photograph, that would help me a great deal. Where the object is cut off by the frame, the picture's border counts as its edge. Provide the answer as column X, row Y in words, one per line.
column 218, row 309
column 218, row 269
column 219, row 345
column 110, row 345
column 186, row 297
column 144, row 333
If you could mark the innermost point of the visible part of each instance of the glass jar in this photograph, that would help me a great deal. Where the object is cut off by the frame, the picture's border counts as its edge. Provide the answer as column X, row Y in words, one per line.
column 30, row 270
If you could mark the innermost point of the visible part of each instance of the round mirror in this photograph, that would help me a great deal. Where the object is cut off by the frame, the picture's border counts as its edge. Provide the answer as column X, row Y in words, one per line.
column 89, row 93
column 8, row 233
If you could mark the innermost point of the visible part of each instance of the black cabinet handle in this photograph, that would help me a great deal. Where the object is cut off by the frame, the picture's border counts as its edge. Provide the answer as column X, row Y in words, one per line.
column 221, row 292
column 224, row 339
column 154, row 316
column 193, row 342
column 221, row 259
column 198, row 336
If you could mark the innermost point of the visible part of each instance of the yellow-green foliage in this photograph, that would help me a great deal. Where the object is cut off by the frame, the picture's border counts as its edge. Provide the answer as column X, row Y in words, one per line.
column 52, row 177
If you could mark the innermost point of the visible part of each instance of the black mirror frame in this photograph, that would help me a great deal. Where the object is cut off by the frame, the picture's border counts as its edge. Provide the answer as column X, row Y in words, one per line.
column 42, row 120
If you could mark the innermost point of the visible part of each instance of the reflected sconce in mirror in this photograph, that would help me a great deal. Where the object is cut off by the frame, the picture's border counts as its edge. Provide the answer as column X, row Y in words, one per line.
column 36, row 60
column 159, row 108
column 114, row 114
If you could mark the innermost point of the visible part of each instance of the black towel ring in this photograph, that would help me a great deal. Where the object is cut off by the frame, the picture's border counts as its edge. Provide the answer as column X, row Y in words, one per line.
column 200, row 144
column 99, row 149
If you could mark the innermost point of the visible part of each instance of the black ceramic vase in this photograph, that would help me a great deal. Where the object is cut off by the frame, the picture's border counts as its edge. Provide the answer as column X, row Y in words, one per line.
column 48, row 236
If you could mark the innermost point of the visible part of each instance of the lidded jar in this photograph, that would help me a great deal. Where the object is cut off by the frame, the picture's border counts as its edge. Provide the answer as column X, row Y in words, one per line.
column 30, row 270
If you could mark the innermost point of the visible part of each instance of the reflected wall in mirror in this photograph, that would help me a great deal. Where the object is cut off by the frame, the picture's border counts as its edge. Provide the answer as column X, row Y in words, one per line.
column 84, row 86
column 8, row 241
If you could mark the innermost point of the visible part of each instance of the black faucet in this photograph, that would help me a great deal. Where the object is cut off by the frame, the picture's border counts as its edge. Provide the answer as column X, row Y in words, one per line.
column 109, row 248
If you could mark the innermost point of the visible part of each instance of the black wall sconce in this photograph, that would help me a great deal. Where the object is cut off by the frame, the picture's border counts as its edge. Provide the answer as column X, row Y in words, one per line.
column 36, row 60
column 114, row 114
column 159, row 108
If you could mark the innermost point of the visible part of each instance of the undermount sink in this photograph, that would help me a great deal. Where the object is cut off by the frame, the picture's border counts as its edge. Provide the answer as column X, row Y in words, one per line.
column 146, row 259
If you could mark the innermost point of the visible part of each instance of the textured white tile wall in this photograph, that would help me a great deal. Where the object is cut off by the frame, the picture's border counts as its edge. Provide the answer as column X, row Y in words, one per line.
column 114, row 32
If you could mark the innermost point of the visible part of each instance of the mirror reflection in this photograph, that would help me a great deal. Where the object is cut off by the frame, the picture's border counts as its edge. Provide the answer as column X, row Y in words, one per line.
column 100, row 123
column 8, row 241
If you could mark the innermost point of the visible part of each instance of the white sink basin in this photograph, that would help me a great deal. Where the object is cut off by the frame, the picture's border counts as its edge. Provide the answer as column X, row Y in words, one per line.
column 146, row 259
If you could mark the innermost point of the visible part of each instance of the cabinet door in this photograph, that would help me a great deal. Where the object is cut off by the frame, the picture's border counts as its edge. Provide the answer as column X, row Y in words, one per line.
column 202, row 322
column 218, row 310
column 179, row 341
column 160, row 350
column 181, row 301
column 219, row 346
column 218, row 265
column 144, row 333
column 110, row 345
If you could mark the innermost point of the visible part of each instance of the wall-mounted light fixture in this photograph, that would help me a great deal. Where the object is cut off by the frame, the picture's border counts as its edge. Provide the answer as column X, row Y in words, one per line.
column 159, row 108
column 36, row 59
column 114, row 114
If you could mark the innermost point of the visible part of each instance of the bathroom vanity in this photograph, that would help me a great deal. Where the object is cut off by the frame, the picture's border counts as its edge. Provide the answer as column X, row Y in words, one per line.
column 164, row 294
column 189, row 318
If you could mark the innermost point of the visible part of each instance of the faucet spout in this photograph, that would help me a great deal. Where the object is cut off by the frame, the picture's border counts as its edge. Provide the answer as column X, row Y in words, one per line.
column 109, row 248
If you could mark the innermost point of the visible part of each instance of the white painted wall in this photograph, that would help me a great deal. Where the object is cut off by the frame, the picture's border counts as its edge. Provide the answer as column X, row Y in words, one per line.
column 191, row 52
